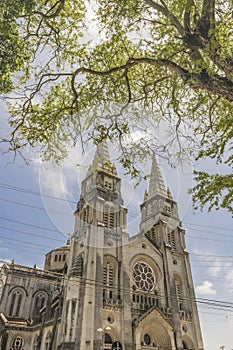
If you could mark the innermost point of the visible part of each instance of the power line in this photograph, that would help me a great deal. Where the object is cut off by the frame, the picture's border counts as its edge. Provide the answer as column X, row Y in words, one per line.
column 22, row 250
column 212, row 255
column 213, row 303
column 34, row 206
column 228, row 266
column 26, row 224
column 48, row 229
column 21, row 189
column 212, row 233
column 31, row 234
column 212, row 227
column 218, row 261
column 52, row 230
column 31, row 243
column 62, row 213
column 210, row 239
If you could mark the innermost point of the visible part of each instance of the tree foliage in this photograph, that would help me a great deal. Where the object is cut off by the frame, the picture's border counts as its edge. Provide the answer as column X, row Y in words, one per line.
column 109, row 69
column 14, row 52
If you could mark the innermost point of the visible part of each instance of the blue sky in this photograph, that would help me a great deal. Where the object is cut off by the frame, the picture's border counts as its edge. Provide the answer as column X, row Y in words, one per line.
column 37, row 203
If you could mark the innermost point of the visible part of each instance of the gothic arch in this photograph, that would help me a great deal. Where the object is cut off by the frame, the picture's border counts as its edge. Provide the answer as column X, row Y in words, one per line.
column 16, row 300
column 40, row 291
column 18, row 287
column 109, row 277
column 40, row 298
column 85, row 213
column 109, row 215
column 154, row 330
column 111, row 259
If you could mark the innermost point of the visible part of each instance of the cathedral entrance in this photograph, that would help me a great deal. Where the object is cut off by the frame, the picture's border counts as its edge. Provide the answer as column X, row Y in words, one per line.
column 153, row 332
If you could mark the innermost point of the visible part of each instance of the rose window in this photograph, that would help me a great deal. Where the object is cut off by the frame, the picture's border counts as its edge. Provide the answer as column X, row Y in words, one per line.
column 144, row 277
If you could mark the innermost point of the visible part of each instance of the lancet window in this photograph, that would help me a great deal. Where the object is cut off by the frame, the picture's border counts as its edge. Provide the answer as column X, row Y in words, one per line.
column 16, row 303
column 109, row 216
column 179, row 292
column 171, row 238
column 108, row 274
column 152, row 234
column 40, row 301
column 85, row 214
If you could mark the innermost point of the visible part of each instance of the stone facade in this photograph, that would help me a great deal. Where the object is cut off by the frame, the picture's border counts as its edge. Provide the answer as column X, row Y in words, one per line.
column 111, row 291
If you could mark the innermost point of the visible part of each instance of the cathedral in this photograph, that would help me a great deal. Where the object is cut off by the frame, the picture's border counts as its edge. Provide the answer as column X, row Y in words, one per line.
column 104, row 289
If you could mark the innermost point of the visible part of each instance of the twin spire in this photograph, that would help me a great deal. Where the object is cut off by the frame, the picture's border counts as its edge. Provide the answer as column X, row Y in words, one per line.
column 102, row 161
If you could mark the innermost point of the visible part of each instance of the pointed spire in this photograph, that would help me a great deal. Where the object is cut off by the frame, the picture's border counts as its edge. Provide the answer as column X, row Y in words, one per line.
column 169, row 194
column 102, row 159
column 156, row 184
column 102, row 154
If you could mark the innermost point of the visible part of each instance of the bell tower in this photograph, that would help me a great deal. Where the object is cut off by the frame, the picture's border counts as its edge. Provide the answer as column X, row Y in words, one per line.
column 161, row 225
column 158, row 202
column 94, row 277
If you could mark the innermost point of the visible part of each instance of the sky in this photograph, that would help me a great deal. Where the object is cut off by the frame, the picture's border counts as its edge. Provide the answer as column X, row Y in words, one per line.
column 38, row 200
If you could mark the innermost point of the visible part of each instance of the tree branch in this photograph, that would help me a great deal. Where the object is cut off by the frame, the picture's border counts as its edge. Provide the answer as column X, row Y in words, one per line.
column 165, row 11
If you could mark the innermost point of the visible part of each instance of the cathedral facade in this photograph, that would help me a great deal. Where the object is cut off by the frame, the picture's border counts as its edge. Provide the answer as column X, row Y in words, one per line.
column 106, row 290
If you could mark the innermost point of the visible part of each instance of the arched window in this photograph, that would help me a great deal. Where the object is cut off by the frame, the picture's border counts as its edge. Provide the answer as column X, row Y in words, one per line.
column 108, row 274
column 84, row 217
column 109, row 217
column 86, row 213
column 40, row 301
column 107, row 339
column 107, row 342
column 179, row 292
column 171, row 238
column 16, row 303
column 152, row 234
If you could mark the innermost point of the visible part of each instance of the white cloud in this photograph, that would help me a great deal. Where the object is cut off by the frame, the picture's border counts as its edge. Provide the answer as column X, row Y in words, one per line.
column 215, row 269
column 229, row 280
column 206, row 288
